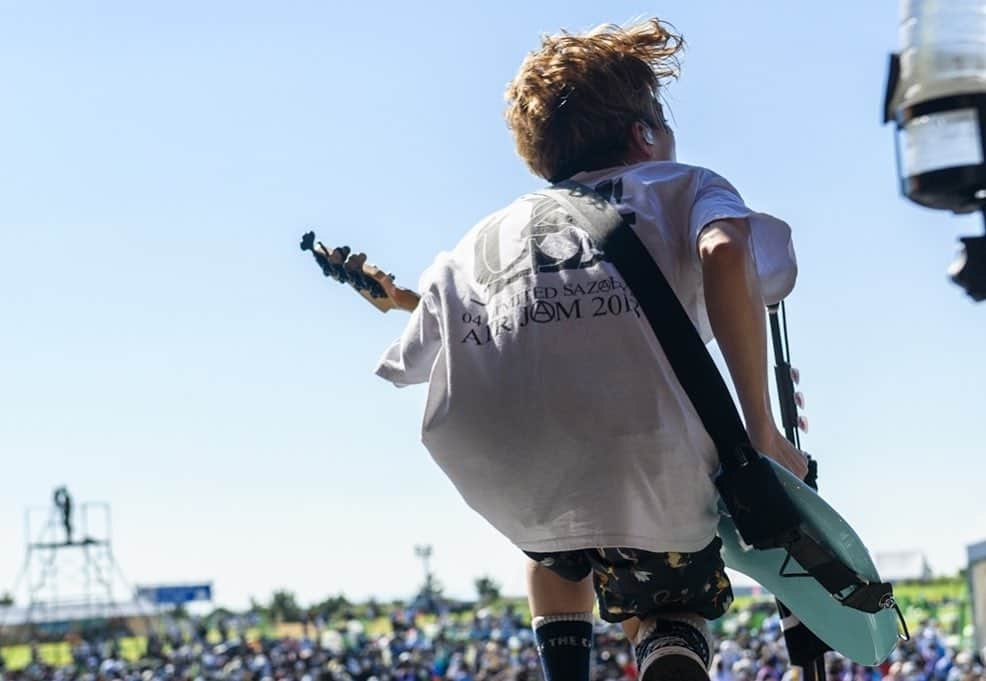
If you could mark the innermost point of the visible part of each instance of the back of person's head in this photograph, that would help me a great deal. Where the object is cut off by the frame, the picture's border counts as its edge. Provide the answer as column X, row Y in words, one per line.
column 573, row 101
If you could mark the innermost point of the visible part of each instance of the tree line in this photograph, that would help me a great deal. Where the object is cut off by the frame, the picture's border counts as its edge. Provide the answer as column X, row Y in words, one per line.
column 283, row 605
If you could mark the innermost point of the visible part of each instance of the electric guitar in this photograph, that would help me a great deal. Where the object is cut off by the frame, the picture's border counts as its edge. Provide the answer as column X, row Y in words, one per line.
column 372, row 283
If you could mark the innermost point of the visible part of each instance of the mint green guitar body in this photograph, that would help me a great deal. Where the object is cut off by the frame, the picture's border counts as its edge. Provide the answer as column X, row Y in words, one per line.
column 862, row 637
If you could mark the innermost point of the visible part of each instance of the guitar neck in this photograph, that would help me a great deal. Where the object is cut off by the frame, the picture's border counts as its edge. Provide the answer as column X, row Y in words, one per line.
column 372, row 283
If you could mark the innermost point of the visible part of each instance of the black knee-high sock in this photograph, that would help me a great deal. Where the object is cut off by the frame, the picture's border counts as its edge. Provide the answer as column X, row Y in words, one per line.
column 564, row 645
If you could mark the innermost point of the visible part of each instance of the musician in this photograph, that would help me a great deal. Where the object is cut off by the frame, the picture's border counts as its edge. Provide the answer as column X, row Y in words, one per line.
column 551, row 406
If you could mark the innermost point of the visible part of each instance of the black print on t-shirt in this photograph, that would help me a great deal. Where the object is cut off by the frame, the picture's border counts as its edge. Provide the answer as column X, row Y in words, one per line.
column 551, row 243
column 565, row 303
column 548, row 243
column 612, row 191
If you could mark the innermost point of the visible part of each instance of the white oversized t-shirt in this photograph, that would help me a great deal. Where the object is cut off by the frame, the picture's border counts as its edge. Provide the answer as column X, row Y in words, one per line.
column 551, row 405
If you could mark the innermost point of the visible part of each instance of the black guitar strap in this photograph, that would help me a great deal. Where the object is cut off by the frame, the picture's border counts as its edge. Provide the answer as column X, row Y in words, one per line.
column 695, row 370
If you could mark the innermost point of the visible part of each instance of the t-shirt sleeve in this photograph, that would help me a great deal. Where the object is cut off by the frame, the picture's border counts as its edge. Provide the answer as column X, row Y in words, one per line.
column 773, row 250
column 410, row 358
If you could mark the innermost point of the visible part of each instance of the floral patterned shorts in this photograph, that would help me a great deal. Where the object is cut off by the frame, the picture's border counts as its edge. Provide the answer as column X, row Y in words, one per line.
column 638, row 583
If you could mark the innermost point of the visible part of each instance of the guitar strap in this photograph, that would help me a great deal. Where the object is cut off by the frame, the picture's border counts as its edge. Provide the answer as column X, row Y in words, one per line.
column 754, row 496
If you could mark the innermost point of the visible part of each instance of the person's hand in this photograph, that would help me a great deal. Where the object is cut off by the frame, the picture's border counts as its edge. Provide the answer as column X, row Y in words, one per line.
column 368, row 280
column 778, row 448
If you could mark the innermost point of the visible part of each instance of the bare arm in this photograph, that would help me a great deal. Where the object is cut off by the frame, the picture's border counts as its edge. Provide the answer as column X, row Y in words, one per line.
column 736, row 311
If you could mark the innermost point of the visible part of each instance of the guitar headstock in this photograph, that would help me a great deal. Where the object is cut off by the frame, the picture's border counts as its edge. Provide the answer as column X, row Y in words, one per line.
column 346, row 267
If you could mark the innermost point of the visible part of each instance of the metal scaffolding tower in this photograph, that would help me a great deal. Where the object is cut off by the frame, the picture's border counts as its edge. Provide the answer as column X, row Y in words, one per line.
column 69, row 574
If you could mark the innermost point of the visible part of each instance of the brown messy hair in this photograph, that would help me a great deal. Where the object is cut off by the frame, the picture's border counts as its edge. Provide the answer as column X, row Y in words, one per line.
column 572, row 102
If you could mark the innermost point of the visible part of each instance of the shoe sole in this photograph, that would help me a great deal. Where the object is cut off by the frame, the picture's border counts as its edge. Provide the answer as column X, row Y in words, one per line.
column 675, row 668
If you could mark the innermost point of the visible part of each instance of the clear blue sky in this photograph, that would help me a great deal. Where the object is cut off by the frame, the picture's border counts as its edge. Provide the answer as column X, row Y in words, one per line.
column 166, row 347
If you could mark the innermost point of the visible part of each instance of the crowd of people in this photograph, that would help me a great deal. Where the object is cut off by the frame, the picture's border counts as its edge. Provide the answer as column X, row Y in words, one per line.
column 487, row 647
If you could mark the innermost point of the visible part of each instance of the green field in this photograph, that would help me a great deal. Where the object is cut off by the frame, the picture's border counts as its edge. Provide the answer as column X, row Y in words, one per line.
column 946, row 601
column 936, row 591
column 59, row 654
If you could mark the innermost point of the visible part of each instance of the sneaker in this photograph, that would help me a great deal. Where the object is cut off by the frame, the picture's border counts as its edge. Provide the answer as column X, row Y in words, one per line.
column 672, row 648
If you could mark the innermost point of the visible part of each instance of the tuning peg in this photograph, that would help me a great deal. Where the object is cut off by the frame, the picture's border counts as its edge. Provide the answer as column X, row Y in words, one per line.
column 354, row 269
column 803, row 423
column 799, row 399
column 795, row 376
column 337, row 256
